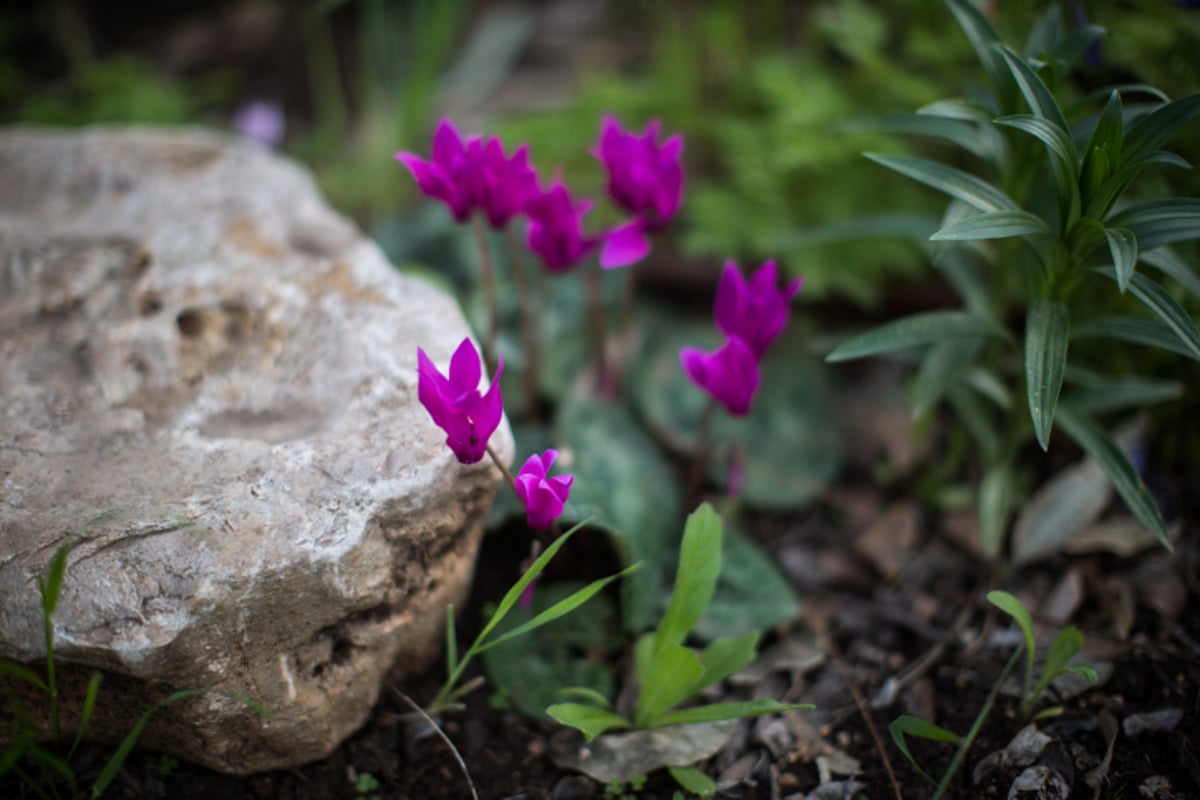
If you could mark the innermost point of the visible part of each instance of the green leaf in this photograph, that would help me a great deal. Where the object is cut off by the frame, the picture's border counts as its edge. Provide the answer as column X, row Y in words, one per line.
column 1063, row 155
column 983, row 38
column 693, row 780
column 973, row 191
column 908, row 725
column 969, row 409
column 1072, row 47
column 625, row 484
column 914, row 331
column 589, row 720
column 715, row 712
column 1135, row 330
column 1066, row 645
column 89, row 706
column 1103, row 149
column 451, row 641
column 586, row 693
column 695, row 579
column 1166, row 261
column 1047, row 326
column 1010, row 605
column 1152, row 131
column 1160, row 222
column 1040, row 100
column 671, row 672
column 1104, row 451
column 11, row 669
column 1155, row 298
column 1124, row 248
column 559, row 609
column 723, row 657
column 969, row 135
column 993, row 225
column 751, row 594
column 1085, row 671
column 995, row 501
column 1120, row 393
column 941, row 368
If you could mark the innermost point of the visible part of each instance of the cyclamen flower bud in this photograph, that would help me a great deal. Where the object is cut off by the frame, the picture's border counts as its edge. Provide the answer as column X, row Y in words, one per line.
column 542, row 497
column 730, row 375
column 754, row 310
column 468, row 418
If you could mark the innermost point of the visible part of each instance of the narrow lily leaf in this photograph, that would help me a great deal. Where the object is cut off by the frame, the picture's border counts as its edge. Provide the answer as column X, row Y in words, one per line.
column 983, row 38
column 589, row 720
column 1125, row 392
column 1168, row 158
column 1165, row 307
column 969, row 409
column 1125, row 89
column 1071, row 47
column 1135, row 330
column 1040, row 100
column 1161, row 221
column 1124, row 248
column 995, row 500
column 993, row 225
column 973, row 191
column 913, row 331
column 716, row 712
column 1058, row 140
column 695, row 579
column 1046, row 328
column 908, row 725
column 1105, row 452
column 941, row 368
column 1153, row 130
column 1046, row 30
column 967, row 135
column 559, row 609
column 1164, row 260
column 1103, row 149
column 694, row 781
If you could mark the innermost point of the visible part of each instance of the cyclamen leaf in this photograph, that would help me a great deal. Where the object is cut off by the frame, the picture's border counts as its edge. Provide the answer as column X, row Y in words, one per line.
column 1135, row 330
column 1164, row 306
column 993, row 225
column 1046, row 327
column 1161, row 221
column 1105, row 452
column 1124, row 248
column 971, row 190
column 588, row 720
column 913, row 331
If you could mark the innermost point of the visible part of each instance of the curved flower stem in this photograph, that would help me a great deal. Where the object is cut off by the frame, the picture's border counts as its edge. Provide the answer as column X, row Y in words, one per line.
column 628, row 294
column 508, row 476
column 595, row 293
column 701, row 452
column 489, row 291
column 530, row 310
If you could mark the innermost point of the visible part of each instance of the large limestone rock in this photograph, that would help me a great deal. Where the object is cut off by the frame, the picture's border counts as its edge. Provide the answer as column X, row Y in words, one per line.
column 208, row 387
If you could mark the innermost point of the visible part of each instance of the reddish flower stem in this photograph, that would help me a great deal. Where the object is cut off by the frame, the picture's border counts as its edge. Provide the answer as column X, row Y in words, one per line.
column 508, row 476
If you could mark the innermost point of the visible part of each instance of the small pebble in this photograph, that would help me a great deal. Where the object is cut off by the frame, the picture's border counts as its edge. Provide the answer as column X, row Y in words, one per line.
column 1162, row 720
column 1039, row 783
column 574, row 787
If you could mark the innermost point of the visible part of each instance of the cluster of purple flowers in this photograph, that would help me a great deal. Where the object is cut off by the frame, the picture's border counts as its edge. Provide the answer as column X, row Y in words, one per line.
column 644, row 178
column 751, row 314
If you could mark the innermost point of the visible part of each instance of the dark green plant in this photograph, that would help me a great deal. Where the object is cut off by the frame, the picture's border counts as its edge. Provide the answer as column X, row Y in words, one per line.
column 43, row 770
column 1033, row 239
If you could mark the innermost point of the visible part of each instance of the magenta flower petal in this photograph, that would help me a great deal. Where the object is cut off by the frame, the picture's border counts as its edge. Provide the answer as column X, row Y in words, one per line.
column 455, row 404
column 543, row 498
column 624, row 245
column 508, row 184
column 644, row 177
column 755, row 310
column 556, row 229
column 730, row 375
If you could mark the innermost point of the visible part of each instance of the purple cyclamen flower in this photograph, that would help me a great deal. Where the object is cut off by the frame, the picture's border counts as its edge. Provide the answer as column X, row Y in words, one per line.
column 644, row 177
column 755, row 310
column 262, row 121
column 730, row 375
column 468, row 418
column 556, row 233
column 542, row 497
column 507, row 185
column 451, row 175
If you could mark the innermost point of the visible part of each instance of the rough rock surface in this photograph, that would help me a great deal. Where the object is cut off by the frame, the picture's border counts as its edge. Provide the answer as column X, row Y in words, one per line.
column 208, row 388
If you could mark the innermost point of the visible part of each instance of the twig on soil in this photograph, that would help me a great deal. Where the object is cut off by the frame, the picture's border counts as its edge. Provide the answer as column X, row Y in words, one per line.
column 826, row 643
column 442, row 735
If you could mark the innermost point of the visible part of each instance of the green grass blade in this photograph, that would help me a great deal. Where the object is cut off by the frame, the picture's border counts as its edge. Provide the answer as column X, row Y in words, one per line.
column 908, row 725
column 89, row 706
column 1129, row 485
column 919, row 329
column 993, row 225
column 715, row 712
column 1047, row 326
column 11, row 669
column 451, row 641
column 973, row 191
column 51, row 586
column 559, row 609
